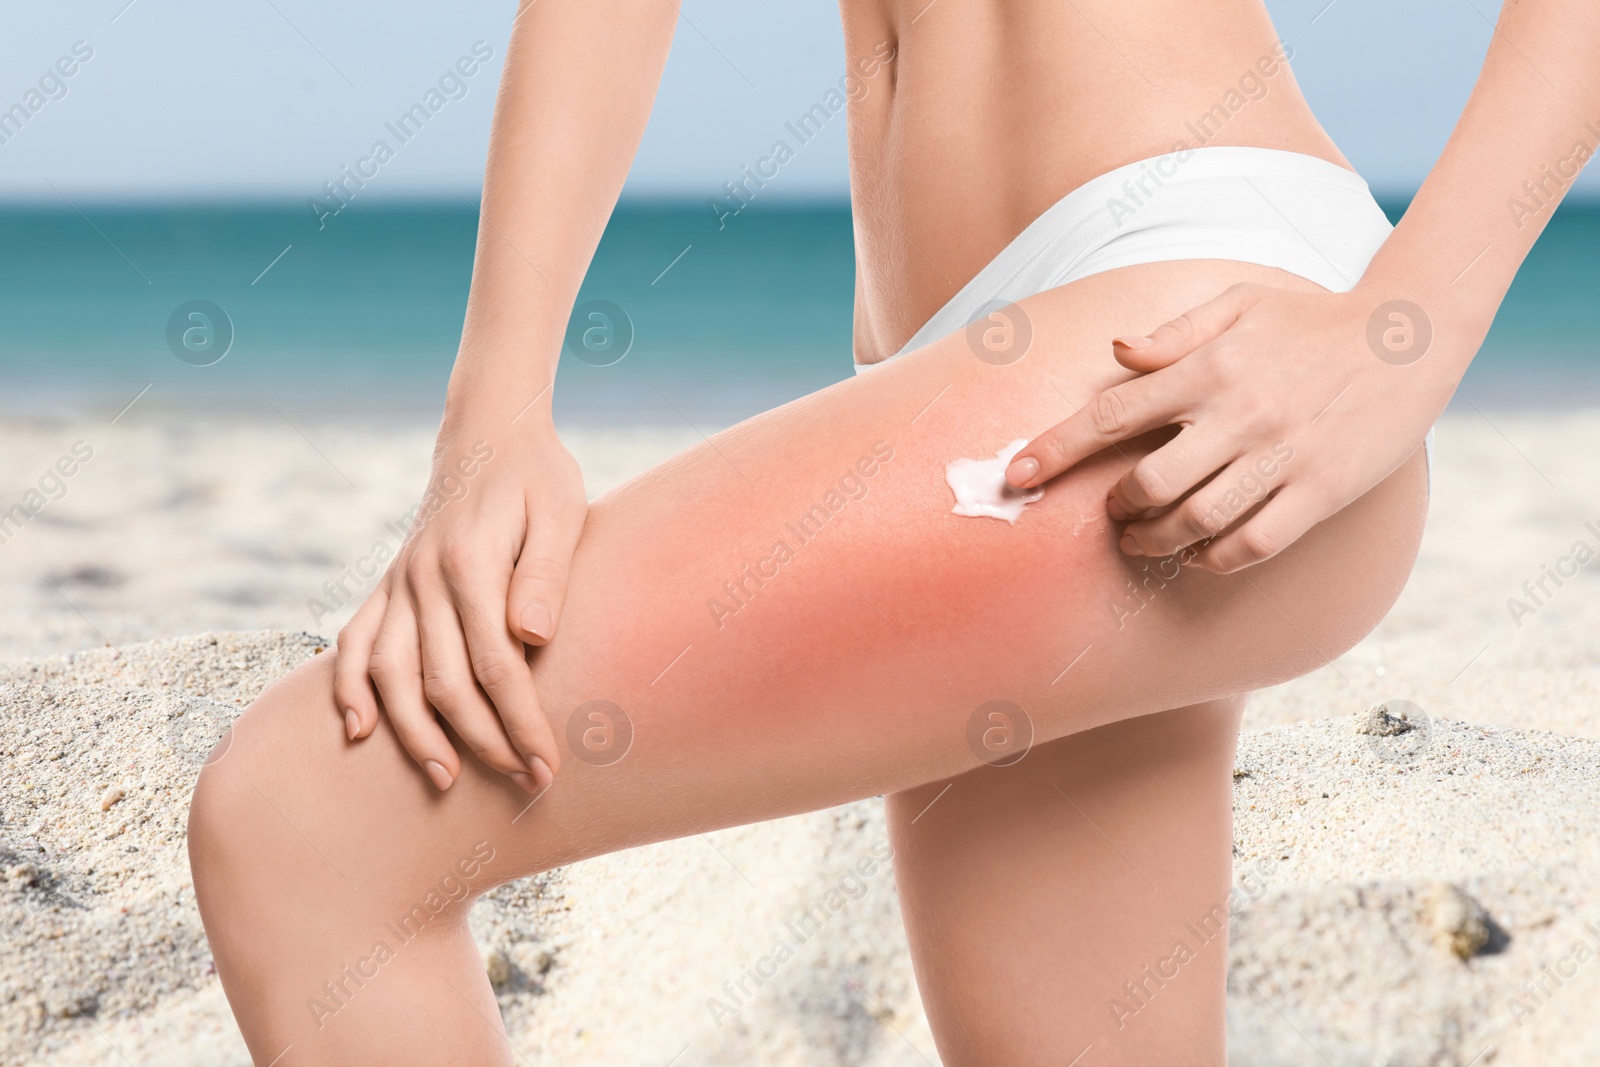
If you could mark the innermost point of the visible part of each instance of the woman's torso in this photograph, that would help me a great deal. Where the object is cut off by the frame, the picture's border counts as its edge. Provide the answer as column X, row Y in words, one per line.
column 968, row 118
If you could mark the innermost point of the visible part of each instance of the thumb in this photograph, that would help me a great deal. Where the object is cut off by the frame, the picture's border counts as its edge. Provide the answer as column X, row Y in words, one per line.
column 539, row 581
column 1198, row 326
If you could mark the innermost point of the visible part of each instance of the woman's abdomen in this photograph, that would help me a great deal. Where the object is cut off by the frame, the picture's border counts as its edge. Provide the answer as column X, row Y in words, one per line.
column 991, row 111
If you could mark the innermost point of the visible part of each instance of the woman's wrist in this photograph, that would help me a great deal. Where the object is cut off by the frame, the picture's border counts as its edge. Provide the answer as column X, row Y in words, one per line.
column 506, row 377
column 519, row 415
column 1419, row 320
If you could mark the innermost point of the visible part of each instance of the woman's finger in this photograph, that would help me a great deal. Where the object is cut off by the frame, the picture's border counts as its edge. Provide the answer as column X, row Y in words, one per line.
column 500, row 665
column 451, row 689
column 1209, row 510
column 1116, row 414
column 1173, row 340
column 397, row 671
column 539, row 581
column 352, row 685
column 1276, row 526
column 1167, row 475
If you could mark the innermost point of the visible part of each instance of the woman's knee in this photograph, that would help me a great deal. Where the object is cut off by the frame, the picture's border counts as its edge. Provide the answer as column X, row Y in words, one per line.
column 268, row 796
column 215, row 854
column 233, row 849
column 288, row 799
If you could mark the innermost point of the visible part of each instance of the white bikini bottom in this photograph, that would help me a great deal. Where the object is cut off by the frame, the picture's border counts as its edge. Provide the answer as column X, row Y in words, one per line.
column 1279, row 209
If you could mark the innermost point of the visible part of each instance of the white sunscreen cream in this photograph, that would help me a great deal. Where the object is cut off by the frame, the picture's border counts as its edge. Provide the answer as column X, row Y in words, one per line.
column 980, row 486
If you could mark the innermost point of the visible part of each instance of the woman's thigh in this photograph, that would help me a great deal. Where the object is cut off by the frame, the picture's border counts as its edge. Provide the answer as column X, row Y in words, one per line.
column 789, row 617
column 1045, row 900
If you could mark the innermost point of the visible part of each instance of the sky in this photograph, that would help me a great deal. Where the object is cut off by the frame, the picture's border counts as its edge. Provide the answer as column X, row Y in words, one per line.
column 183, row 99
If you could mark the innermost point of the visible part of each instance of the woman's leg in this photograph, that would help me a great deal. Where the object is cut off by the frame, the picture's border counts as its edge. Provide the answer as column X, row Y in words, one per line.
column 789, row 617
column 1046, row 902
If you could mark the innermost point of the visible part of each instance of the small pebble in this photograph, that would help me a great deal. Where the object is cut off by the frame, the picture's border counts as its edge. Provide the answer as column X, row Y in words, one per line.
column 22, row 876
column 112, row 796
column 1459, row 923
column 1379, row 721
column 498, row 968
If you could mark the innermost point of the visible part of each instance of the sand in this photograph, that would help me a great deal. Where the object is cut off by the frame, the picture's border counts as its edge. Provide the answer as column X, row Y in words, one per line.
column 1371, row 862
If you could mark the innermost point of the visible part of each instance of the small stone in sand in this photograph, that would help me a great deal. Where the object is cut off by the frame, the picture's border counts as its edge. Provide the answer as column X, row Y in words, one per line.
column 22, row 876
column 1459, row 922
column 111, row 797
column 498, row 968
column 1379, row 721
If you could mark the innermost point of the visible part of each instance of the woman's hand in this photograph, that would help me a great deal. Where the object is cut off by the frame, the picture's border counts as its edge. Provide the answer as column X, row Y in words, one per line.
column 1287, row 414
column 482, row 573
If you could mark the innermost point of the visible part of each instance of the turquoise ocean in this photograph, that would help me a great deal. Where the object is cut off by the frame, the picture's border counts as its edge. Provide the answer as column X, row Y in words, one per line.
column 358, row 318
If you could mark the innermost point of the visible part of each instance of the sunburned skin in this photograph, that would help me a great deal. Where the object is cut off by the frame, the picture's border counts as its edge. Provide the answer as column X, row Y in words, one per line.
column 981, row 489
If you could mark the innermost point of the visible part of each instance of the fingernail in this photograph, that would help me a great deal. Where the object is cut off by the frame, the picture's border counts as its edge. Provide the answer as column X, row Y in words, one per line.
column 537, row 620
column 524, row 781
column 1132, row 342
column 541, row 771
column 1022, row 471
column 352, row 723
column 1115, row 509
column 1130, row 546
column 441, row 777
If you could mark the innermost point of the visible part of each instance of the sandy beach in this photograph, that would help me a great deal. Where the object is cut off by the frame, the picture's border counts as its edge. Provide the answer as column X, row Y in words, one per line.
column 1404, row 896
